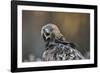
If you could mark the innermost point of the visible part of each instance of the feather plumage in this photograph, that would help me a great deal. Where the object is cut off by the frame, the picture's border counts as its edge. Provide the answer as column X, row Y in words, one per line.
column 57, row 48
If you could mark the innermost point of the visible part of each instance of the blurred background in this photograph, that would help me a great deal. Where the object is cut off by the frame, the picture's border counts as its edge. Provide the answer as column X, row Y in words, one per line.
column 74, row 26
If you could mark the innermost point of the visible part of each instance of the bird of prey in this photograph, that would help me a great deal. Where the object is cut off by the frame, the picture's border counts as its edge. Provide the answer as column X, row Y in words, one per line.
column 57, row 48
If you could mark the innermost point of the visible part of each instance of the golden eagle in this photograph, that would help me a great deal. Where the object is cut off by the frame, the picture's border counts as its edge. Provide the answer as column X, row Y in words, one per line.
column 57, row 48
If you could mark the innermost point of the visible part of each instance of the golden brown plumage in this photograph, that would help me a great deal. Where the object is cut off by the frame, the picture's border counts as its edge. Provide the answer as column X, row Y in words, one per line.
column 57, row 48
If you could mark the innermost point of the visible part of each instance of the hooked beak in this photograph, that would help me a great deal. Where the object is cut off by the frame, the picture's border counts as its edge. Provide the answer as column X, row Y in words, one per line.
column 47, row 36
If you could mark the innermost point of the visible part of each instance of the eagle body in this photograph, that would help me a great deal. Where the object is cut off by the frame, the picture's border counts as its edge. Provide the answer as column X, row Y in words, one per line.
column 57, row 48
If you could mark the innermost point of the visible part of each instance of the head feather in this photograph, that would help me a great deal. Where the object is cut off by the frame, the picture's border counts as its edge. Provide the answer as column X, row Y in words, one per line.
column 55, row 30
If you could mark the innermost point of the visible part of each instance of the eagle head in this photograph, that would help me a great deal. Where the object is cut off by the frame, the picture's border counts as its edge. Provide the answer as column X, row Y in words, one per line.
column 50, row 32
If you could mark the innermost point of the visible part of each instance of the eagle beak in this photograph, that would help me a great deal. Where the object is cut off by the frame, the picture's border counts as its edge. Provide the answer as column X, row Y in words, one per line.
column 47, row 36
